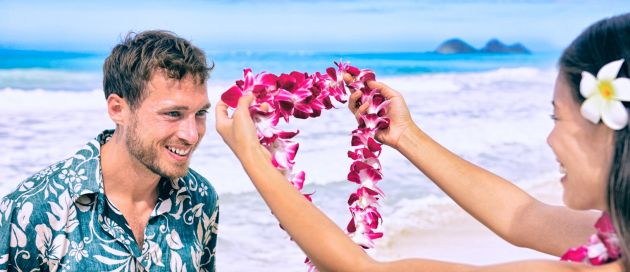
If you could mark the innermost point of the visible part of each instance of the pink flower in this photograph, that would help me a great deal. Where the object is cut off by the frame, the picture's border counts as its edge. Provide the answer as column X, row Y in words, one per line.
column 575, row 255
column 373, row 121
column 260, row 85
column 365, row 137
column 364, row 197
column 607, row 234
column 365, row 175
column 361, row 227
column 283, row 153
column 296, row 103
column 603, row 246
column 297, row 179
column 232, row 95
column 366, row 156
column 265, row 123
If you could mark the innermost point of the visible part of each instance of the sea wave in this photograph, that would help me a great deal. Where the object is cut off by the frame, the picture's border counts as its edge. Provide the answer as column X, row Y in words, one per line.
column 49, row 79
column 498, row 119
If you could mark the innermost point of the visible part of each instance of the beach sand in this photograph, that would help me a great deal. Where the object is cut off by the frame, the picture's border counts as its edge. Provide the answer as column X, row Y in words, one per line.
column 458, row 237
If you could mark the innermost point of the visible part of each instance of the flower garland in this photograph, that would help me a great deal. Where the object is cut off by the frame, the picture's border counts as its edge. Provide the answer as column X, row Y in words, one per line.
column 304, row 96
column 603, row 246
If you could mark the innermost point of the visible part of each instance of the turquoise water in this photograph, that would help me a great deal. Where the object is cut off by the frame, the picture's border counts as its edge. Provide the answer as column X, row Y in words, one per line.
column 79, row 71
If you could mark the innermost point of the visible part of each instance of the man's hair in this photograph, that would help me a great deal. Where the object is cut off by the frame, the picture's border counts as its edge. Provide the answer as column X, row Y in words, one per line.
column 132, row 63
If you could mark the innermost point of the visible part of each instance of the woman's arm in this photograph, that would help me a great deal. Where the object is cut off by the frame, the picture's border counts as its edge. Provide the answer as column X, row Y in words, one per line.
column 328, row 247
column 503, row 207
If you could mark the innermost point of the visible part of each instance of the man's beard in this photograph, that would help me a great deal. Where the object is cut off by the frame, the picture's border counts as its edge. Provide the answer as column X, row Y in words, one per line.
column 146, row 154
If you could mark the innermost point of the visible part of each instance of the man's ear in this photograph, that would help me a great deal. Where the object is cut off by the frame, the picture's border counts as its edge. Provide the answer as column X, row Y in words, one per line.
column 118, row 109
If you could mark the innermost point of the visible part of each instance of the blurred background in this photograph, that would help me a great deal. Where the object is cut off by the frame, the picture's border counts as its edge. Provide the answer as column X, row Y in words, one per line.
column 487, row 102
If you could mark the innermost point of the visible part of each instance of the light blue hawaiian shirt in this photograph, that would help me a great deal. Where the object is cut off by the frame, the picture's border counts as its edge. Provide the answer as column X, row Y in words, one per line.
column 60, row 220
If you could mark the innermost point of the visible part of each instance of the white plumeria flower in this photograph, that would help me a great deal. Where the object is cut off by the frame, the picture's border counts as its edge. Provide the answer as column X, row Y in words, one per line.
column 604, row 95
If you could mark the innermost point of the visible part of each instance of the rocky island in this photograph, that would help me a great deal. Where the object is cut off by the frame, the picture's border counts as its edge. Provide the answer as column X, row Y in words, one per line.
column 494, row 46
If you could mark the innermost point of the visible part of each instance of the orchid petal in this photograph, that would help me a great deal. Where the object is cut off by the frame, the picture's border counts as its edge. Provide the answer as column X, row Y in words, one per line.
column 286, row 82
column 231, row 96
column 373, row 146
column 615, row 115
column 604, row 224
column 591, row 108
column 299, row 77
column 248, row 79
column 268, row 80
column 610, row 70
column 301, row 94
column 332, row 73
column 575, row 255
column 622, row 88
column 354, row 71
column 288, row 134
column 302, row 114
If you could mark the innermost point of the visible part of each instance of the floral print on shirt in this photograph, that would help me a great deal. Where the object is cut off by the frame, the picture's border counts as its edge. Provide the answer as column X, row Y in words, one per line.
column 60, row 220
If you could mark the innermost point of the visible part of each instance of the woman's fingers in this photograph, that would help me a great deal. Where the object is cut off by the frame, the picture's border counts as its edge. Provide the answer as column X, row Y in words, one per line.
column 361, row 110
column 244, row 102
column 385, row 90
column 221, row 113
column 223, row 120
column 354, row 98
column 347, row 78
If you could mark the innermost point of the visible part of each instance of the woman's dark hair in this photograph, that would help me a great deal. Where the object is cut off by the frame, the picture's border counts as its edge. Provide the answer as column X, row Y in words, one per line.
column 132, row 62
column 601, row 43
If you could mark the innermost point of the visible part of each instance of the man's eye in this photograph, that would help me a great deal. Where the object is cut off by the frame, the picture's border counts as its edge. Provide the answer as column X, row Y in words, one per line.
column 202, row 113
column 173, row 114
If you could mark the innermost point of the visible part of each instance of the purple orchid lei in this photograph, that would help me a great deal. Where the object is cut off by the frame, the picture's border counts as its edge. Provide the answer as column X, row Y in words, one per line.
column 304, row 96
column 602, row 248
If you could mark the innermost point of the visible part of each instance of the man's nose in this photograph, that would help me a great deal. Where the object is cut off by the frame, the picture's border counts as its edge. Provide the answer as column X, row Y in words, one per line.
column 188, row 130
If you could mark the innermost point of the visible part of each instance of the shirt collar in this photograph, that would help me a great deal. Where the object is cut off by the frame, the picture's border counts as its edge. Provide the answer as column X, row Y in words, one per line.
column 95, row 185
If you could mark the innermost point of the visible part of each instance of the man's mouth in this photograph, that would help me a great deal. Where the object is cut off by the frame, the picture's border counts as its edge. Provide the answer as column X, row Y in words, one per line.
column 183, row 152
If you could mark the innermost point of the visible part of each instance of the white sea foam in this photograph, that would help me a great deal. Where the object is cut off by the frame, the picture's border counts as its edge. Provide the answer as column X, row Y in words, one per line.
column 17, row 100
column 34, row 78
column 496, row 119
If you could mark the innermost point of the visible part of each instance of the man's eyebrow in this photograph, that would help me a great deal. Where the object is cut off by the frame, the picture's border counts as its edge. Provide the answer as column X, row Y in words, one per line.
column 184, row 108
column 553, row 103
column 176, row 108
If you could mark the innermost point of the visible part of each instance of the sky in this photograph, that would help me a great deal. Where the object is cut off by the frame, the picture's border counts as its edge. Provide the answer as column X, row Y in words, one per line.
column 316, row 25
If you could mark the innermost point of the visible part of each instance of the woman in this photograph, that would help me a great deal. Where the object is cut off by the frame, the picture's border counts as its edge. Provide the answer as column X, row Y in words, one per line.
column 594, row 154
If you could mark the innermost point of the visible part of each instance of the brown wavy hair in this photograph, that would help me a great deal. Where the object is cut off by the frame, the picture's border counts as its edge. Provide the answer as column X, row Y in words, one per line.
column 132, row 62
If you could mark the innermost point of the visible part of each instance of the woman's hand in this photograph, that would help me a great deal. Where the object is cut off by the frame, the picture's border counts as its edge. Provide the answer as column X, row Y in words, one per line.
column 397, row 111
column 239, row 132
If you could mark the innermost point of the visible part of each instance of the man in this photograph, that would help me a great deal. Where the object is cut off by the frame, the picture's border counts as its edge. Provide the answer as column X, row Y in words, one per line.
column 127, row 201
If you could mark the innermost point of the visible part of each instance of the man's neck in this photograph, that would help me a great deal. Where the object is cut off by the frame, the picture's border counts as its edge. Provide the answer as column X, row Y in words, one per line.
column 124, row 177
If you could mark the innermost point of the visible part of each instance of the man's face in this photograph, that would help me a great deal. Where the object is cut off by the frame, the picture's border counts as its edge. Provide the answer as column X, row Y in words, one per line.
column 168, row 124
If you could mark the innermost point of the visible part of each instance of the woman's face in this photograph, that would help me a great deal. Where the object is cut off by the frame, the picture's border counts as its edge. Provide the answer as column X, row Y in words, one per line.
column 583, row 149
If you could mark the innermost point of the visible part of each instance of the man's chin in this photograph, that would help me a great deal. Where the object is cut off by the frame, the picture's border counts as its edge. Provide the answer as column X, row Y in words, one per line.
column 173, row 173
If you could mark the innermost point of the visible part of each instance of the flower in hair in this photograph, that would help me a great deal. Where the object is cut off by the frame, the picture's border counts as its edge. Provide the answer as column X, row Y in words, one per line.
column 604, row 94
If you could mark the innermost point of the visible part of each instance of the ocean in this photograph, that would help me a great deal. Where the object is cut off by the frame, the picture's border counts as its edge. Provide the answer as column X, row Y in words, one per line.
column 492, row 110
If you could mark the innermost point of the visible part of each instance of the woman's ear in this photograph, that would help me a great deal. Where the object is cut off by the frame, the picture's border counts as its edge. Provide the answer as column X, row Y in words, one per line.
column 118, row 109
